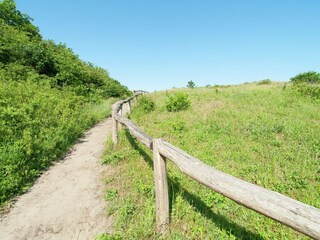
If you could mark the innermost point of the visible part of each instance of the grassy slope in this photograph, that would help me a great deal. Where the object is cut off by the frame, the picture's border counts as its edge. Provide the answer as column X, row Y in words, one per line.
column 264, row 134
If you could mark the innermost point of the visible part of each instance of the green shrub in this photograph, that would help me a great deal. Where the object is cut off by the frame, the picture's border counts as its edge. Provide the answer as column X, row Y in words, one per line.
column 307, row 77
column 12, row 16
column 264, row 82
column 48, row 98
column 306, row 89
column 21, row 54
column 191, row 84
column 307, row 84
column 38, row 124
column 177, row 102
column 146, row 104
column 39, row 56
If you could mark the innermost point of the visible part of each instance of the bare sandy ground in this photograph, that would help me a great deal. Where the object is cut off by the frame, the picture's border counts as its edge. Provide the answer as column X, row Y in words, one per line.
column 67, row 201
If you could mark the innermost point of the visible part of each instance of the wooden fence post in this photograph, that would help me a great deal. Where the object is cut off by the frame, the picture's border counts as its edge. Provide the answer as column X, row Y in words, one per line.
column 162, row 195
column 129, row 106
column 135, row 100
column 114, row 127
column 121, row 115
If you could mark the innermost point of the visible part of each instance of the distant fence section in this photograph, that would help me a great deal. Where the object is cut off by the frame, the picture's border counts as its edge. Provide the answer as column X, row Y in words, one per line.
column 297, row 215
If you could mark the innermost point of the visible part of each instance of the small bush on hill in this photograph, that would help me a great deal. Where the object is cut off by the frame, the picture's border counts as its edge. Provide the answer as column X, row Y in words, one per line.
column 191, row 84
column 177, row 102
column 146, row 104
column 264, row 82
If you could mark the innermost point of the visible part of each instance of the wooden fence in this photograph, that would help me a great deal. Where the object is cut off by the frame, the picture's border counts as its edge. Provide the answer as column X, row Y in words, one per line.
column 297, row 215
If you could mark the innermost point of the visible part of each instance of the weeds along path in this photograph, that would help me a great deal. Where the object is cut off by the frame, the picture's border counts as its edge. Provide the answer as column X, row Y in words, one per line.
column 67, row 201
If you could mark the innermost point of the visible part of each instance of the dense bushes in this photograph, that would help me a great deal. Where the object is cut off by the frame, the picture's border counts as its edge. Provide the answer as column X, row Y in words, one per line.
column 146, row 104
column 13, row 17
column 21, row 44
column 177, row 102
column 38, row 124
column 307, row 77
column 308, row 90
column 307, row 84
column 48, row 97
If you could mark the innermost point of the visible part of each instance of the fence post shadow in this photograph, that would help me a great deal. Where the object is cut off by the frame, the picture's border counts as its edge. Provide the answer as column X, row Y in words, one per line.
column 175, row 188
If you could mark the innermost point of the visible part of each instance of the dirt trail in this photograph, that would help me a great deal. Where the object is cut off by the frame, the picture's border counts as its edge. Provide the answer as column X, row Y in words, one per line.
column 66, row 202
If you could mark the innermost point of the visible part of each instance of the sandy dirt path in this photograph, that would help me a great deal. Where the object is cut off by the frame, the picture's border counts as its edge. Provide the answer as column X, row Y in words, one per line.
column 67, row 201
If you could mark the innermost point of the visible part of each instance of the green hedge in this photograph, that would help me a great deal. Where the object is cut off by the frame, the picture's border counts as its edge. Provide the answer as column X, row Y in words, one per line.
column 38, row 124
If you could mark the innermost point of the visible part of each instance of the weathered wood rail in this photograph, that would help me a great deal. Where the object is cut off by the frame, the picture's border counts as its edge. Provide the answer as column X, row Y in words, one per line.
column 297, row 215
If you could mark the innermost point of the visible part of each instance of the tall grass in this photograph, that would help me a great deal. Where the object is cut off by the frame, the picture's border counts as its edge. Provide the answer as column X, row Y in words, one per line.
column 265, row 134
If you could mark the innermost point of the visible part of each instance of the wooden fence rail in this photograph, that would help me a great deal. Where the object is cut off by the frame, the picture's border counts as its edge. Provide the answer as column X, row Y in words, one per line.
column 297, row 215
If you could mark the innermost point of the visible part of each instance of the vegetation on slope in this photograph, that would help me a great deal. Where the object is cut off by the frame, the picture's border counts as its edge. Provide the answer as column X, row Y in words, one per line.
column 267, row 134
column 24, row 52
column 48, row 97
column 308, row 84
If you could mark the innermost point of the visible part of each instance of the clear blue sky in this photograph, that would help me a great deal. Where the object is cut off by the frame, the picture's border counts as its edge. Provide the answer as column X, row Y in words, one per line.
column 160, row 44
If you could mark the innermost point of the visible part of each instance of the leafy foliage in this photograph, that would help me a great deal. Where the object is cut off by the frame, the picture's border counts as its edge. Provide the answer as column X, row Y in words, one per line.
column 307, row 77
column 307, row 84
column 21, row 44
column 38, row 124
column 12, row 41
column 191, row 84
column 40, row 57
column 48, row 97
column 312, row 90
column 13, row 17
column 177, row 102
column 146, row 104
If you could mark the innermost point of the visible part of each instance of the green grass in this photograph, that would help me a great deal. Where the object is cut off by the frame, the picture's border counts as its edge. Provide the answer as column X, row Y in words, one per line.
column 100, row 110
column 265, row 134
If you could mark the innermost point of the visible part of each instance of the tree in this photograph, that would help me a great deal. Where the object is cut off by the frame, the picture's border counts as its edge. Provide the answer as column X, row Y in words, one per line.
column 13, row 17
column 191, row 84
column 11, row 41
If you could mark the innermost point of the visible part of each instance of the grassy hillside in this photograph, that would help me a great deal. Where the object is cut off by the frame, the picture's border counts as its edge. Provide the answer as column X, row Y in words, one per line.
column 267, row 134
column 48, row 98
